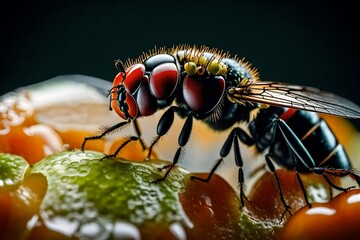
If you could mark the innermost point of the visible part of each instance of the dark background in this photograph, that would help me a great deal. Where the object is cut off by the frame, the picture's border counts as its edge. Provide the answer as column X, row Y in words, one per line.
column 307, row 43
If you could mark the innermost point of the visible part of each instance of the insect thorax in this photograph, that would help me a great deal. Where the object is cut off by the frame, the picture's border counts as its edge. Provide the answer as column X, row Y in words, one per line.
column 202, row 63
column 205, row 61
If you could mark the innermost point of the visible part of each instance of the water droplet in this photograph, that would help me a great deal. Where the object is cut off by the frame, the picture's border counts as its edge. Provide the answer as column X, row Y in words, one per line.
column 321, row 211
column 178, row 231
column 93, row 230
column 84, row 161
column 124, row 230
column 110, row 175
column 61, row 224
column 65, row 162
column 64, row 179
column 90, row 155
column 104, row 185
column 90, row 213
column 2, row 184
column 71, row 170
column 83, row 170
column 353, row 199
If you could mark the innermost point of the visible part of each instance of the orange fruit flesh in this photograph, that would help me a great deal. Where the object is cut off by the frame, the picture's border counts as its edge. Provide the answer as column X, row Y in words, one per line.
column 80, row 120
column 74, row 139
column 36, row 133
column 21, row 135
column 75, row 121
column 33, row 143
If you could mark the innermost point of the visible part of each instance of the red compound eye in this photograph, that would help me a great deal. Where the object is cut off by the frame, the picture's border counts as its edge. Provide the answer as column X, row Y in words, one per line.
column 118, row 79
column 203, row 95
column 163, row 80
column 134, row 76
column 131, row 103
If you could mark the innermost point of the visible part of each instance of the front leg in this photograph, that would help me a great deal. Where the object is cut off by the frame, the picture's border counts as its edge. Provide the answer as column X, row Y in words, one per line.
column 163, row 127
column 130, row 139
column 138, row 134
column 182, row 141
column 107, row 131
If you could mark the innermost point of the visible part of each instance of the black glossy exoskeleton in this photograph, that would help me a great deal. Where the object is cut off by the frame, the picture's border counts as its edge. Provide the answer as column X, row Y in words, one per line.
column 208, row 85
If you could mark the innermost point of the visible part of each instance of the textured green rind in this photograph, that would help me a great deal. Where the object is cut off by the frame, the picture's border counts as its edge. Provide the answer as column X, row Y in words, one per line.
column 12, row 171
column 87, row 198
column 86, row 193
column 257, row 230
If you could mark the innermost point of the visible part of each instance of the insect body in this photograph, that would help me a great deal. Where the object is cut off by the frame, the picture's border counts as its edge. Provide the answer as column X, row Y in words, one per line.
column 209, row 85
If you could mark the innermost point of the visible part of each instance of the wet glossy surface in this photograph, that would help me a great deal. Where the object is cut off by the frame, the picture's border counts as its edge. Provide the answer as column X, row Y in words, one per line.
column 265, row 203
column 212, row 208
column 85, row 193
column 74, row 195
column 12, row 170
column 338, row 219
column 19, row 133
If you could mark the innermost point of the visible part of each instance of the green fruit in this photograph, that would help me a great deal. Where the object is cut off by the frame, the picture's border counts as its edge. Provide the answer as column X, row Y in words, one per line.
column 87, row 193
column 76, row 194
column 12, row 171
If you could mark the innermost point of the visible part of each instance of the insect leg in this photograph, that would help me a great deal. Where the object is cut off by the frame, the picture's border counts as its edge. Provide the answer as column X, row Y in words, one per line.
column 295, row 144
column 225, row 149
column 130, row 139
column 182, row 141
column 325, row 172
column 246, row 139
column 233, row 138
column 271, row 167
column 302, row 154
column 301, row 183
column 138, row 134
column 239, row 162
column 108, row 130
column 298, row 149
column 163, row 127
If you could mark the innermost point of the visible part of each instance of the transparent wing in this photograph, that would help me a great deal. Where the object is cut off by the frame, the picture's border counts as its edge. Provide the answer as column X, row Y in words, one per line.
column 293, row 96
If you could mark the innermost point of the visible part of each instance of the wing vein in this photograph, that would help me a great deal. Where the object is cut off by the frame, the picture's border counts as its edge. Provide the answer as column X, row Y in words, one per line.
column 294, row 96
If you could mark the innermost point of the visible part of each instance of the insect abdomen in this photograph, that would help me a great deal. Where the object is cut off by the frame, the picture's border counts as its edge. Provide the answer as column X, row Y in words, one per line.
column 318, row 139
column 313, row 131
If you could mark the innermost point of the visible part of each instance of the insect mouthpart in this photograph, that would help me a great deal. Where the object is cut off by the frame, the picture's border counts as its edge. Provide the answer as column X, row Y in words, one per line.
column 122, row 102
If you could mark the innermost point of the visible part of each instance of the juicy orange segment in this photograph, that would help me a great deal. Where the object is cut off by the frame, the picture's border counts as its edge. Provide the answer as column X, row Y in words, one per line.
column 74, row 139
column 19, row 135
column 32, row 143
column 75, row 121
